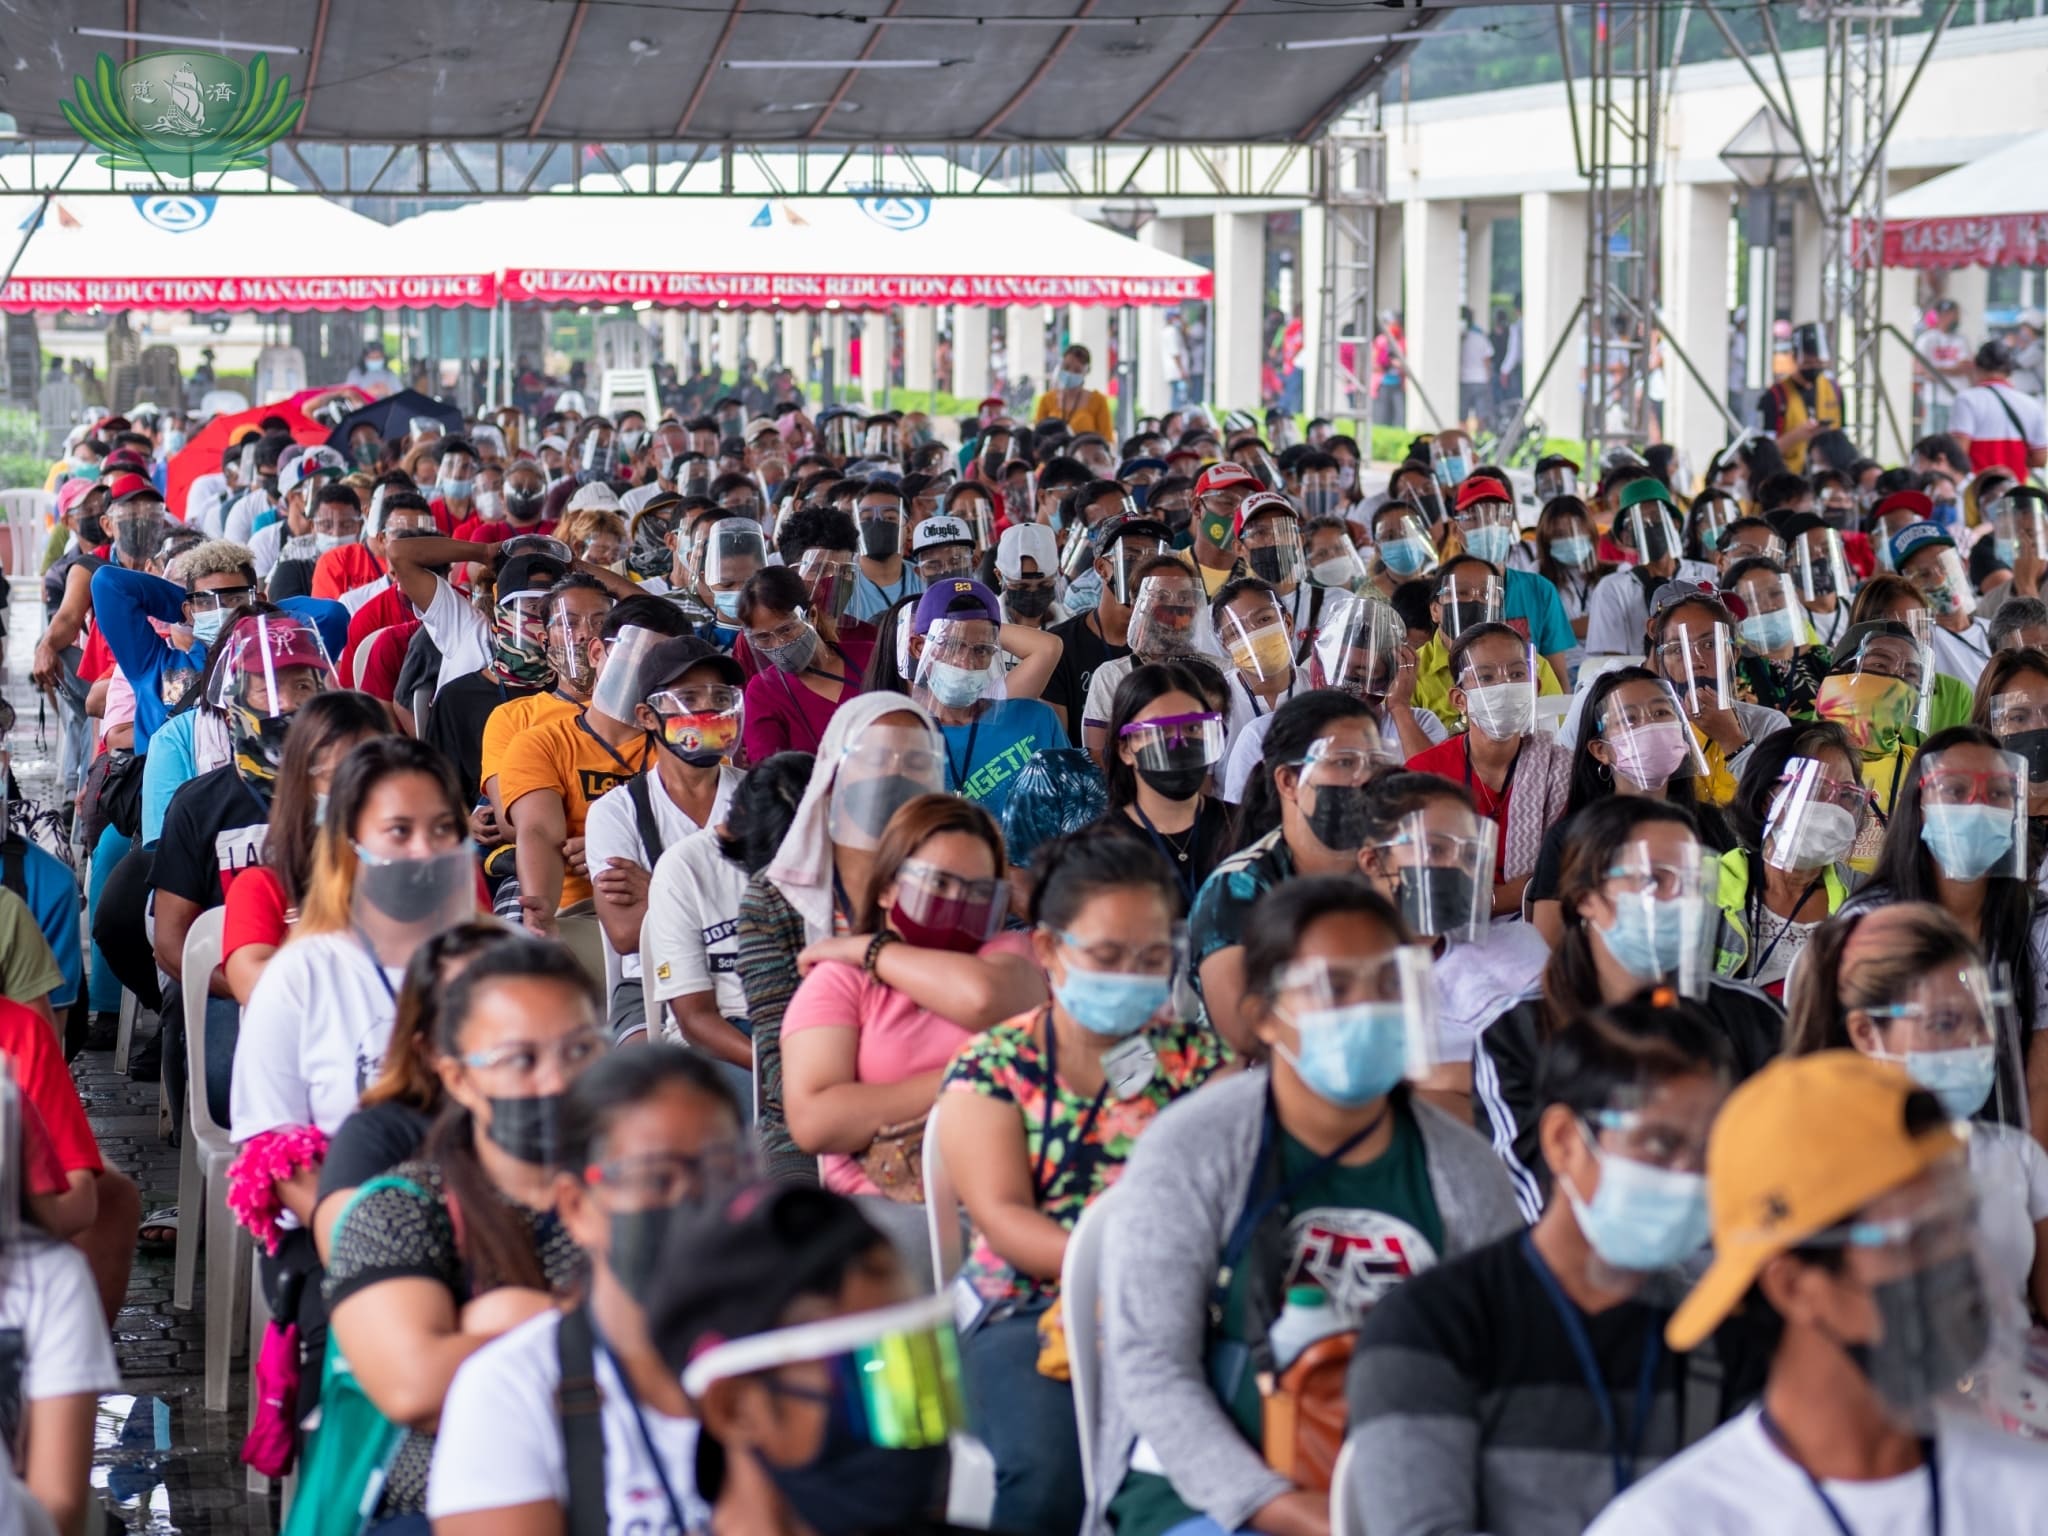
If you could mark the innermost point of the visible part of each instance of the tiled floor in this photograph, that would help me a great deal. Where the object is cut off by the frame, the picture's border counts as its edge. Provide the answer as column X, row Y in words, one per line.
column 163, row 1463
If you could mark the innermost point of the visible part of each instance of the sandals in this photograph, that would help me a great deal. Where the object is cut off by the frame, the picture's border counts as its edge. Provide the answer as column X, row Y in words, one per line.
column 159, row 1229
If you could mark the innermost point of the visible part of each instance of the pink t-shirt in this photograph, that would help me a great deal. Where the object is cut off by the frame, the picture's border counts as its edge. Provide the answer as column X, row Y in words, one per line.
column 783, row 715
column 898, row 1039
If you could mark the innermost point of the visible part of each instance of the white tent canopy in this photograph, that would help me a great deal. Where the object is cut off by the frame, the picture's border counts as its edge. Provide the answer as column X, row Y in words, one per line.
column 1992, row 212
column 807, row 253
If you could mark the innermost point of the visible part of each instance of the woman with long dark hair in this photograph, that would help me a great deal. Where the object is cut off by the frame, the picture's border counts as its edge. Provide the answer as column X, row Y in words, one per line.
column 1958, row 839
column 1637, row 894
column 1163, row 748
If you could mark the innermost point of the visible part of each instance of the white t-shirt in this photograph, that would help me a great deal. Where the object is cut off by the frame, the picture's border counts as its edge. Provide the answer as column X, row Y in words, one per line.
column 1979, row 413
column 241, row 517
column 355, row 597
column 1618, row 614
column 1735, row 1482
column 1965, row 654
column 47, row 1292
column 500, row 1440
column 265, row 544
column 204, row 498
column 1248, row 748
column 459, row 631
column 1102, row 686
column 612, row 831
column 2010, row 1172
column 639, row 496
column 692, row 929
column 313, row 1035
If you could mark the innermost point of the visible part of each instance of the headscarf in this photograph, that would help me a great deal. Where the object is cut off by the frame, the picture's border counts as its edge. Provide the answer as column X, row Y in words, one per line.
column 802, row 866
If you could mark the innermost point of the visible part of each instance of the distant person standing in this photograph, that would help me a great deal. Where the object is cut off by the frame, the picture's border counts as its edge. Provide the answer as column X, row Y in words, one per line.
column 1389, row 366
column 1944, row 365
column 1507, row 352
column 1993, row 422
column 1805, row 403
column 2027, row 361
column 1070, row 399
column 371, row 373
column 1475, row 370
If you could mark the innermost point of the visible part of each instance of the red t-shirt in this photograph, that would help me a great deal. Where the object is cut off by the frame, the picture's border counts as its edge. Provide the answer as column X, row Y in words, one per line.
column 1447, row 760
column 480, row 530
column 96, row 660
column 34, row 1052
column 255, row 911
column 380, row 612
column 385, row 659
column 344, row 569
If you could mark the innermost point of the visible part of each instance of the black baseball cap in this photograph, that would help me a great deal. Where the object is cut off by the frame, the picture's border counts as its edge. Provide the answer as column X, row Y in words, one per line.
column 669, row 660
column 529, row 573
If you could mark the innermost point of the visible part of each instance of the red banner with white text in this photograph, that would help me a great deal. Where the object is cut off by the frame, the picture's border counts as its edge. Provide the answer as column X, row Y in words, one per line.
column 2000, row 240
column 797, row 290
column 295, row 294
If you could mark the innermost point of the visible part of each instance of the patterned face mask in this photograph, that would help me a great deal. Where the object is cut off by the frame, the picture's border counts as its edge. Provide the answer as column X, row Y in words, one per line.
column 1875, row 711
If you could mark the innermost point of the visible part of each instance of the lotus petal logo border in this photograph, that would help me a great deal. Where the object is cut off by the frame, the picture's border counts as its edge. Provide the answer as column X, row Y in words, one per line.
column 179, row 113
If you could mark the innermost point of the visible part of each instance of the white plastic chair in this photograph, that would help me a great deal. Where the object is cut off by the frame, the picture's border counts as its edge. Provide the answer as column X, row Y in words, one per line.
column 1080, row 1294
column 203, row 1180
column 941, row 1206
column 1551, row 708
column 1343, row 1518
column 28, row 512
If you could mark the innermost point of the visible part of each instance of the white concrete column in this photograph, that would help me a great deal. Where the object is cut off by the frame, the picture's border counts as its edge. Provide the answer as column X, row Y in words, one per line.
column 920, row 333
column 874, row 356
column 1240, row 244
column 796, row 346
column 1091, row 326
column 761, row 339
column 1895, row 371
column 673, row 342
column 970, row 352
column 731, row 329
column 1154, row 391
column 1312, row 402
column 1553, row 278
column 1479, row 263
column 1024, row 325
column 1805, row 259
column 1698, row 224
column 1430, row 233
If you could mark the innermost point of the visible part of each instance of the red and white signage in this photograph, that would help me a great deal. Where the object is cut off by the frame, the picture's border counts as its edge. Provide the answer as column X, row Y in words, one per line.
column 1996, row 240
column 325, row 294
column 801, row 290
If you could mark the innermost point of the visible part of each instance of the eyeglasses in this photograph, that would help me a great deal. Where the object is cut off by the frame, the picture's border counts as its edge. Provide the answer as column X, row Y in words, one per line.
column 1675, row 653
column 940, row 564
column 221, row 597
column 334, row 525
column 696, row 699
column 1128, row 959
column 523, row 1058
column 655, row 1179
column 946, row 885
column 976, row 658
column 1996, row 787
column 1666, row 882
column 1640, row 1139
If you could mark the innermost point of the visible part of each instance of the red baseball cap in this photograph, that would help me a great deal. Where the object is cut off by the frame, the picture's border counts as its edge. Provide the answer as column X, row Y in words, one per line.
column 123, row 485
column 1226, row 476
column 1260, row 503
column 1482, row 488
column 1915, row 502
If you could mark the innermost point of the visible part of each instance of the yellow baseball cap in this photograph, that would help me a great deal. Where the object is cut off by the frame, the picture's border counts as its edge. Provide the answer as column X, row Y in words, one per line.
column 1801, row 1146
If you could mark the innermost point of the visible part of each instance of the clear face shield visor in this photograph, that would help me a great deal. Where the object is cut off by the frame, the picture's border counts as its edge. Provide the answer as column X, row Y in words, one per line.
column 1466, row 599
column 1940, row 578
column 829, row 574
column 1646, row 533
column 1361, row 1026
column 842, row 435
column 1272, row 549
column 1257, row 642
column 575, row 642
column 1667, row 925
column 960, row 666
column 1361, row 647
column 1695, row 660
column 734, row 551
column 1170, row 619
column 616, row 692
column 1499, row 683
column 1973, row 812
column 1821, row 567
column 1884, row 692
column 418, row 896
column 1815, row 817
column 1124, row 557
column 2020, row 527
column 1334, row 563
column 1559, row 480
column 1776, row 618
column 1405, row 548
column 1441, row 863
column 1648, row 738
column 273, row 665
column 880, row 771
column 1172, row 743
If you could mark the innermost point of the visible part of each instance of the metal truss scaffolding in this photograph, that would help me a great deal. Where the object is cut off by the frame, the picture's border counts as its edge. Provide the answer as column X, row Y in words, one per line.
column 1617, row 141
column 1352, row 186
column 1845, row 174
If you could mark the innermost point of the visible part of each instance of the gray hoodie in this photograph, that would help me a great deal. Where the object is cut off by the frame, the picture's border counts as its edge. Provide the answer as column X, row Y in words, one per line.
column 1179, row 1194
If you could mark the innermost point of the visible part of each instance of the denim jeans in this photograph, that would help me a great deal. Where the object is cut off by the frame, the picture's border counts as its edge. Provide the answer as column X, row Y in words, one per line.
column 102, row 985
column 1027, row 1422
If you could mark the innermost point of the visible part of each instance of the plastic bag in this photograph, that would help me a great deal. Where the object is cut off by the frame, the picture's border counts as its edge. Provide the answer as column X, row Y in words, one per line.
column 1055, row 792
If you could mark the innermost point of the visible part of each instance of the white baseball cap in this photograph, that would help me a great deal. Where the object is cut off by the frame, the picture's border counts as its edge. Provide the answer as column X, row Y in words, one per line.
column 934, row 531
column 596, row 496
column 1020, row 540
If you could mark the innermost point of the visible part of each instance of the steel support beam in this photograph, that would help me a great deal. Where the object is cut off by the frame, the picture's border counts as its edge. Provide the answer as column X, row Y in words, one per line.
column 1352, row 188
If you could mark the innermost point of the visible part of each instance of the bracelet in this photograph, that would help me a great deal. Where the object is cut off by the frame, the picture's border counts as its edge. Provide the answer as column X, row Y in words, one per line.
column 876, row 945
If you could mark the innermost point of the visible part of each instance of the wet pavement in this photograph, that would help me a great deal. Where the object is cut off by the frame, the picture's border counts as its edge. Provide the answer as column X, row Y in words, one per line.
column 162, row 1463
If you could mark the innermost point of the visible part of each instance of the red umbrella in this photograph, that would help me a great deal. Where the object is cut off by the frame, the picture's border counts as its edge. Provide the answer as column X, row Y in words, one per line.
column 201, row 456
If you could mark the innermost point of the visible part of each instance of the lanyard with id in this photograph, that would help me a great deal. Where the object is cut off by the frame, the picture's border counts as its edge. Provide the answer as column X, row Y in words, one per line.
column 1574, row 1326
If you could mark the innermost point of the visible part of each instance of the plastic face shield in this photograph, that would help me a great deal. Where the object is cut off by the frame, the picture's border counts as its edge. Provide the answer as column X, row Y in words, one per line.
column 2020, row 720
column 617, row 690
column 939, row 562
column 942, row 900
column 1939, row 577
column 536, row 544
column 1973, row 808
column 1172, row 742
column 574, row 641
column 979, row 517
column 1776, row 617
column 1020, row 497
column 1272, row 549
column 842, row 435
column 1648, row 735
column 1441, row 863
column 1956, row 1033
column 2020, row 526
column 828, row 573
column 1467, row 598
column 698, row 717
column 416, row 896
column 878, row 438
column 1313, row 994
column 1646, row 532
column 1402, row 538
column 1820, row 566
column 1450, row 458
column 1562, row 480
column 1679, row 917
column 1694, row 660
column 1361, row 647
column 882, row 770
column 1124, row 557
column 1814, row 817
column 424, row 428
column 647, row 553
column 1499, row 688
column 1334, row 562
column 522, row 623
column 1711, row 516
column 733, row 553
column 1870, row 708
column 1257, row 642
column 1170, row 619
column 893, row 1374
column 1488, row 529
column 961, row 666
column 274, row 664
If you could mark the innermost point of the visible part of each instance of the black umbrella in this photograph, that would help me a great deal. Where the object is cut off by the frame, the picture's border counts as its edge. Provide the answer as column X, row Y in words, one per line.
column 393, row 416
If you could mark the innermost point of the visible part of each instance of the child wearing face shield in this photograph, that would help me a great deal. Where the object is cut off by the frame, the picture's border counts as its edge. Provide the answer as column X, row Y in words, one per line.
column 1840, row 1221
column 648, row 1140
column 1591, row 1400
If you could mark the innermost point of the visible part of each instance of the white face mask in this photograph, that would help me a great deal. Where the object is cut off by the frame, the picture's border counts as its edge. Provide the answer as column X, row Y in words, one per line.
column 1503, row 711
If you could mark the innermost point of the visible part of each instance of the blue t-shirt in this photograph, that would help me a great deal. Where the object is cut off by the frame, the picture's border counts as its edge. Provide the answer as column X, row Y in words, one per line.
column 123, row 603
column 870, row 602
column 52, row 895
column 1534, row 600
column 171, row 762
column 982, row 757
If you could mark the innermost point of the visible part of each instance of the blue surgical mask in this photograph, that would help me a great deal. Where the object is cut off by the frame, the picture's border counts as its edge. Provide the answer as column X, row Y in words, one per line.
column 1966, row 840
column 174, row 441
column 1405, row 557
column 1491, row 543
column 457, row 490
column 1066, row 378
column 1945, row 512
column 1642, row 1218
column 2007, row 550
column 1451, row 469
column 1112, row 1003
column 207, row 626
column 1647, row 936
column 1960, row 1078
column 1771, row 631
column 1350, row 1056
column 728, row 603
column 957, row 687
column 1574, row 550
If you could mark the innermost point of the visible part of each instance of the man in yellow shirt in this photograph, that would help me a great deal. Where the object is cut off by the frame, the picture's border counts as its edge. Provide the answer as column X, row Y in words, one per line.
column 1072, row 401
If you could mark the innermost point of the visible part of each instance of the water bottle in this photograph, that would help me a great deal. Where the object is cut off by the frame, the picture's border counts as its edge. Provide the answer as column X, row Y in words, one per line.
column 1307, row 1317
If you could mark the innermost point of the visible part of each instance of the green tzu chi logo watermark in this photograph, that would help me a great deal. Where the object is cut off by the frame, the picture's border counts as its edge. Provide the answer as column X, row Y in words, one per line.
column 179, row 113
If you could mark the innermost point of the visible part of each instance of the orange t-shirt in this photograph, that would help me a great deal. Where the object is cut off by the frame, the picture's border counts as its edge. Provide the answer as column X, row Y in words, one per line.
column 504, row 725
column 565, row 755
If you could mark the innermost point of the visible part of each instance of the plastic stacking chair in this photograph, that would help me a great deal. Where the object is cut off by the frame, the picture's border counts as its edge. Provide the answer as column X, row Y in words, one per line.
column 203, row 1180
column 941, row 1207
column 1080, row 1293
